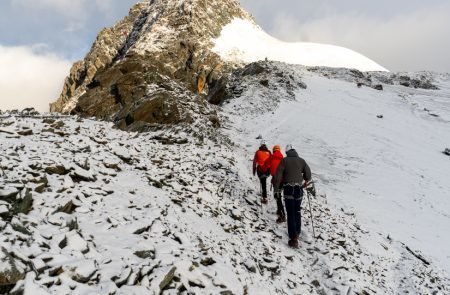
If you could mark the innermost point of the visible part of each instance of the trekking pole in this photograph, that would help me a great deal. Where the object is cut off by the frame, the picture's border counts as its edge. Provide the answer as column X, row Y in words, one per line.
column 310, row 214
column 260, row 191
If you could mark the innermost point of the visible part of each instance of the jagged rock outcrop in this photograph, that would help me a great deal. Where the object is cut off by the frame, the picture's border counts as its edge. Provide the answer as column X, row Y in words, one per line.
column 151, row 66
column 107, row 45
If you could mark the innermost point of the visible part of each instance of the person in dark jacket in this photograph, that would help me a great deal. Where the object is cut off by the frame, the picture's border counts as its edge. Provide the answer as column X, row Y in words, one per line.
column 259, row 166
column 293, row 170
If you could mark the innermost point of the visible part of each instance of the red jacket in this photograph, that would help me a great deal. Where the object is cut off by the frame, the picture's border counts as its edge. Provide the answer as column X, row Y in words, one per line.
column 274, row 161
column 260, row 159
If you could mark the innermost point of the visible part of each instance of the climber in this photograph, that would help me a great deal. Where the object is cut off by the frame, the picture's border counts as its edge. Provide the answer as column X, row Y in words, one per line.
column 260, row 167
column 273, row 163
column 290, row 174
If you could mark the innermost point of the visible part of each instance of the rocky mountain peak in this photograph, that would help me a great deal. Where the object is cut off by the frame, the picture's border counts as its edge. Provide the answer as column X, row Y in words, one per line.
column 146, row 68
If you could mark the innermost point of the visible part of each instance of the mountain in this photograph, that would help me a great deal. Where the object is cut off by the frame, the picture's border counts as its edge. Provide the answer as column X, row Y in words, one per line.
column 150, row 67
column 166, row 56
column 88, row 208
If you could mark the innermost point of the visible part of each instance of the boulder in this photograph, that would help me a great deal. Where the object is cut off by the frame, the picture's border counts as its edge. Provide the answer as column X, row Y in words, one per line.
column 378, row 87
column 26, row 132
column 167, row 279
column 447, row 151
column 56, row 169
column 11, row 271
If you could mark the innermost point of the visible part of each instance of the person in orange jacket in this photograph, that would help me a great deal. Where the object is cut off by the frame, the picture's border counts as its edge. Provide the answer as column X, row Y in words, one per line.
column 261, row 168
column 273, row 163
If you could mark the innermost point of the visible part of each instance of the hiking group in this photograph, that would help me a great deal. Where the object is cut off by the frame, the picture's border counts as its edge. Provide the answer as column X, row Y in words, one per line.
column 290, row 175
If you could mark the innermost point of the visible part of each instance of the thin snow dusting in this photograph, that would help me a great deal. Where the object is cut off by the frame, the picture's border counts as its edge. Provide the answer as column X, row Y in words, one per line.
column 376, row 154
column 243, row 41
column 89, row 209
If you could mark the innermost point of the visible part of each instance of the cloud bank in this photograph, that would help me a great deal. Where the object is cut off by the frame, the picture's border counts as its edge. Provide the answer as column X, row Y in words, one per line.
column 30, row 78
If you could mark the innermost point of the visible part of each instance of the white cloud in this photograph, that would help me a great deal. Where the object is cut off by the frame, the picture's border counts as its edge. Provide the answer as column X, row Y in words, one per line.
column 30, row 79
column 406, row 42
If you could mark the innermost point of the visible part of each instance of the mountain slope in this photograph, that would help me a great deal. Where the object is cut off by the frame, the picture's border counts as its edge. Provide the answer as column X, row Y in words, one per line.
column 117, row 212
column 378, row 154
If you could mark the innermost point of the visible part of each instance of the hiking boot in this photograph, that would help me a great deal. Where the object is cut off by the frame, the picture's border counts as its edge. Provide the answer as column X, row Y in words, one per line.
column 281, row 219
column 293, row 243
column 264, row 200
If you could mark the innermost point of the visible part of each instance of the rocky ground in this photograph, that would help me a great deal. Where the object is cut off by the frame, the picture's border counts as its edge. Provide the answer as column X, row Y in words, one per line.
column 88, row 209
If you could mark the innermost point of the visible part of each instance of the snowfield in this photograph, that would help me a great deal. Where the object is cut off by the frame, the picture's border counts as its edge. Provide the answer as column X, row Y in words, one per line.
column 245, row 42
column 125, row 213
column 378, row 154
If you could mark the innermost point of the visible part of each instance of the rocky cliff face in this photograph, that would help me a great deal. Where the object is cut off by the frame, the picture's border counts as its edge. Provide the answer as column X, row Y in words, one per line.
column 151, row 66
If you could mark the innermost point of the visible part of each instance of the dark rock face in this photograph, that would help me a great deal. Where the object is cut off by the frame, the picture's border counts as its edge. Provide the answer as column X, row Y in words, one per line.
column 153, row 65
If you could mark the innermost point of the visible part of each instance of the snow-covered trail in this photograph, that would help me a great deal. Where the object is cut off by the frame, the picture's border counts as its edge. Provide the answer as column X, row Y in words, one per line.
column 390, row 171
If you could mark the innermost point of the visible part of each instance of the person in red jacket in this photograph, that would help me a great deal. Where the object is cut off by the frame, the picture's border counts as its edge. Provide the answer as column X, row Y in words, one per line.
column 261, row 168
column 273, row 163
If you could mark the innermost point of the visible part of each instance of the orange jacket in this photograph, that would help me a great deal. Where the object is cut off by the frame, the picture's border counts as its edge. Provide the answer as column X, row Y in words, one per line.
column 260, row 159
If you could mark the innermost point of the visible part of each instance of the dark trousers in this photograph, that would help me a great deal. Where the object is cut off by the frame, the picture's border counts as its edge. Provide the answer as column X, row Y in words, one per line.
column 280, row 207
column 263, row 179
column 294, row 217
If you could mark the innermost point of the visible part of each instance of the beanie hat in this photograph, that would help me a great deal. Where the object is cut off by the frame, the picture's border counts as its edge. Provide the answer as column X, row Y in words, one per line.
column 276, row 148
column 289, row 147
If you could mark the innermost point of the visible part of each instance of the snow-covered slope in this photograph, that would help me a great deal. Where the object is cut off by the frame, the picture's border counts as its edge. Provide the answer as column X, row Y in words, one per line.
column 244, row 41
column 176, row 212
column 378, row 154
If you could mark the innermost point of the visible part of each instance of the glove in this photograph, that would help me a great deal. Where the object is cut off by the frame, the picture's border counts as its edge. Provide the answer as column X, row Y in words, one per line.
column 311, row 189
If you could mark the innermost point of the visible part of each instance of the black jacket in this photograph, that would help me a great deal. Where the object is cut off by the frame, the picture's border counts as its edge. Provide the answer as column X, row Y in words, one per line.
column 292, row 169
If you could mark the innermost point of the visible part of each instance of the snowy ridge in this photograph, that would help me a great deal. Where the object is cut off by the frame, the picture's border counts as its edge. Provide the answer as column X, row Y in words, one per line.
column 245, row 42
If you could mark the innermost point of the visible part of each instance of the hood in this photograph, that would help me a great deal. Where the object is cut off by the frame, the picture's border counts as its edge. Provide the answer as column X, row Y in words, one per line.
column 292, row 153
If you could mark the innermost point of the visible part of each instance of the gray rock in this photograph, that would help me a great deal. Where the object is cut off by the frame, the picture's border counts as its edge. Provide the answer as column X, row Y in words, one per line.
column 378, row 87
column 253, row 69
column 68, row 208
column 8, row 193
column 145, row 254
column 447, row 151
column 167, row 279
column 264, row 82
column 56, row 169
column 207, row 261
column 11, row 272
column 26, row 132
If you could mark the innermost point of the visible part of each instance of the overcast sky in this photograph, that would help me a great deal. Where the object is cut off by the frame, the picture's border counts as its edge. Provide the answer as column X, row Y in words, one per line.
column 40, row 39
